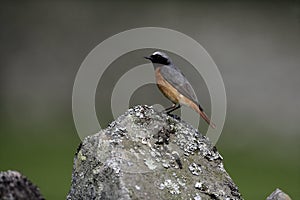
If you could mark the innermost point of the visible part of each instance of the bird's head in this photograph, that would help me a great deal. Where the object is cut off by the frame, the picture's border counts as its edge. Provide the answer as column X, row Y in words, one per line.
column 159, row 58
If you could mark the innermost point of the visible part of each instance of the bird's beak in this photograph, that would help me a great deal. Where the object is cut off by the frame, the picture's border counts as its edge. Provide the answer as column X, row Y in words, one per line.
column 148, row 58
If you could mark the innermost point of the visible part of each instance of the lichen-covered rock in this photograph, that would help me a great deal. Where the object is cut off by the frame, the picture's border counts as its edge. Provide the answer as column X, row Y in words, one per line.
column 15, row 186
column 278, row 195
column 145, row 154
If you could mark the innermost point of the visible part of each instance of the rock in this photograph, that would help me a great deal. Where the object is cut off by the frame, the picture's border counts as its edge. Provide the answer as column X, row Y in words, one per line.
column 145, row 154
column 278, row 195
column 15, row 186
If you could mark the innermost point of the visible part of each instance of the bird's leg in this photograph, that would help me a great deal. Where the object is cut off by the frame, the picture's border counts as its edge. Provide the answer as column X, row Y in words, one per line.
column 172, row 108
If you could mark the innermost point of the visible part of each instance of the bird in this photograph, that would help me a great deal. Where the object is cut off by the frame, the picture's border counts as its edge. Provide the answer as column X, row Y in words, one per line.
column 175, row 86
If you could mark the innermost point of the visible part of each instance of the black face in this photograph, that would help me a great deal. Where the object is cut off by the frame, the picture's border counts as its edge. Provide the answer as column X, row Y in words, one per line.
column 159, row 58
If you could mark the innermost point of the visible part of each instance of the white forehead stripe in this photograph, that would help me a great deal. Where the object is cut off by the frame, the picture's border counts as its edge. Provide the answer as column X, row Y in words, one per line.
column 161, row 54
column 157, row 53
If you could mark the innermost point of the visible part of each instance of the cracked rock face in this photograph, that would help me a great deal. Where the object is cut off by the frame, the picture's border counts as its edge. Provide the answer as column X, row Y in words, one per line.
column 145, row 154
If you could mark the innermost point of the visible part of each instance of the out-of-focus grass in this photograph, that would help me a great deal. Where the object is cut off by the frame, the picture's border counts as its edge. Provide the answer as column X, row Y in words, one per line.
column 45, row 156
column 262, row 163
column 256, row 164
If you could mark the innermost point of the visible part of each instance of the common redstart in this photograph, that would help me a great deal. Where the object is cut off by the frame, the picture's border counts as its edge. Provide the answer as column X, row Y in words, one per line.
column 174, row 85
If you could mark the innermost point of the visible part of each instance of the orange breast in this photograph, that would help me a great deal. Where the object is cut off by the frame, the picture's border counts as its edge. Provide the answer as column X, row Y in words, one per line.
column 166, row 88
column 171, row 93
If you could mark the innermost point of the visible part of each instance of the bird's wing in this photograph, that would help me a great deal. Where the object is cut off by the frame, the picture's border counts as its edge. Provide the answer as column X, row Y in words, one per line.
column 179, row 82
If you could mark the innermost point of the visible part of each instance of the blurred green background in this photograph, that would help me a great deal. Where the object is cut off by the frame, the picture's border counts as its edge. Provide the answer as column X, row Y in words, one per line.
column 256, row 46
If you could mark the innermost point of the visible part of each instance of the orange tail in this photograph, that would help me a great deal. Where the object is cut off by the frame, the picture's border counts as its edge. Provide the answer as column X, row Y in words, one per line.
column 199, row 110
column 206, row 118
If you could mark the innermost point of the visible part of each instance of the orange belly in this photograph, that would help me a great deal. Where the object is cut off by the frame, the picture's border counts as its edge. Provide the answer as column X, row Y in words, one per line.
column 166, row 88
column 171, row 93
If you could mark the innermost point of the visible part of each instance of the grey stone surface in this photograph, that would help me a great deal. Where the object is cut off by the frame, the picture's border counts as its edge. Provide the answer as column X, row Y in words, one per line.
column 145, row 154
column 278, row 195
column 15, row 186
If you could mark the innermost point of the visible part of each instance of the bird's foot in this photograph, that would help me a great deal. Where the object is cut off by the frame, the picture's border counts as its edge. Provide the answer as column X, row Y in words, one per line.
column 174, row 116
